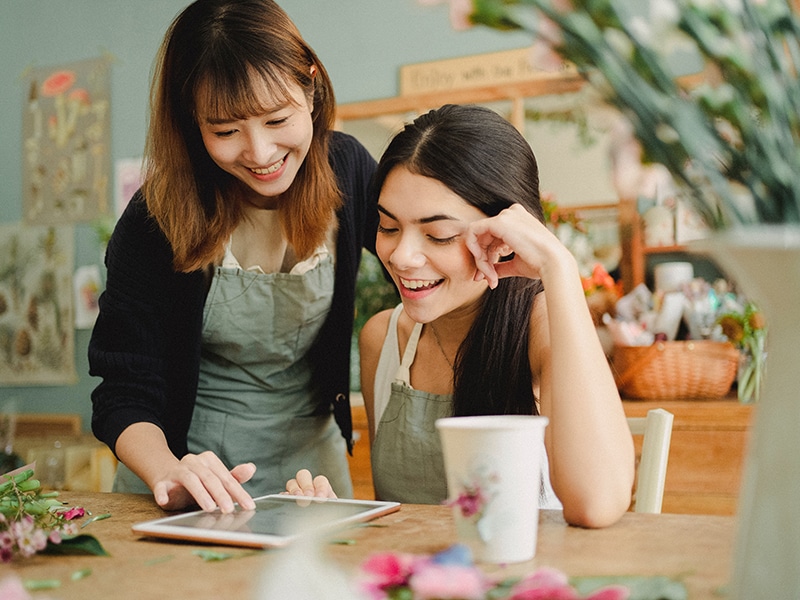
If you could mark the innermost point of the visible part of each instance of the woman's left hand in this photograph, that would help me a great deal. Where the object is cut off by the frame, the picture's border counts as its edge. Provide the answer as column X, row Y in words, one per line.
column 304, row 484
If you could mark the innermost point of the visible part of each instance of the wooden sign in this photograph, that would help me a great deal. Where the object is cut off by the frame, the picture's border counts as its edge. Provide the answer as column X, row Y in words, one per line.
column 481, row 70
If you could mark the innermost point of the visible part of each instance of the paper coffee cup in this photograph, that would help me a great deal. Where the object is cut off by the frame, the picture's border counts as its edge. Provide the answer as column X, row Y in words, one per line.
column 494, row 474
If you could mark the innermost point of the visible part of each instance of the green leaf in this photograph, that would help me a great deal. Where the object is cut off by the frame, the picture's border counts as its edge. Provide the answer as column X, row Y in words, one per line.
column 641, row 588
column 41, row 584
column 96, row 518
column 494, row 15
column 211, row 555
column 77, row 544
column 160, row 559
column 81, row 574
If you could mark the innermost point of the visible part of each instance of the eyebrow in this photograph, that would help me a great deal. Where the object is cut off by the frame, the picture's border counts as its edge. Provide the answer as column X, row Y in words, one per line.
column 230, row 119
column 422, row 221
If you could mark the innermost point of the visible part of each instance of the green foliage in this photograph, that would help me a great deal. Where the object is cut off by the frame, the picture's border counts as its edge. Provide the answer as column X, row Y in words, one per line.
column 374, row 292
column 733, row 142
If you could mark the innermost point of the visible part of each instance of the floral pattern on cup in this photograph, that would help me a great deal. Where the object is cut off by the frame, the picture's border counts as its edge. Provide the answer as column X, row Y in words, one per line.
column 473, row 498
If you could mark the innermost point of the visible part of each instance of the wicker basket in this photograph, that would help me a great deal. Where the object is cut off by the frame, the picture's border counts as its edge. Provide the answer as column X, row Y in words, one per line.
column 666, row 370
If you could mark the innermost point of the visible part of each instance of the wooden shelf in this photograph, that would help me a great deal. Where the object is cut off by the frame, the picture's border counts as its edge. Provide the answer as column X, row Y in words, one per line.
column 662, row 249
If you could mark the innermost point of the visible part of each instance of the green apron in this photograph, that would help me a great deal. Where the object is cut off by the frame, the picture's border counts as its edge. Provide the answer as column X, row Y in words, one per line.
column 254, row 398
column 407, row 461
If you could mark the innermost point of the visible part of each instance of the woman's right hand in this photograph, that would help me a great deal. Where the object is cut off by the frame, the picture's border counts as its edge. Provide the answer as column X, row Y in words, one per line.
column 304, row 484
column 203, row 479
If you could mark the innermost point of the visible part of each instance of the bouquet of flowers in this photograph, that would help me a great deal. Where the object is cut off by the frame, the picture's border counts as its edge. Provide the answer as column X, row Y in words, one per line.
column 602, row 293
column 709, row 90
column 746, row 328
column 32, row 520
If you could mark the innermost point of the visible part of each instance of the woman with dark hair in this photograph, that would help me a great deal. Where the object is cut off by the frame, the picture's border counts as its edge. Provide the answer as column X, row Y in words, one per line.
column 223, row 339
column 493, row 320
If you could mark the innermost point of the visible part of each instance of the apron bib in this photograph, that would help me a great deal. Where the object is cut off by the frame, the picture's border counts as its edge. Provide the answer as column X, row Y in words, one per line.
column 407, row 461
column 254, row 400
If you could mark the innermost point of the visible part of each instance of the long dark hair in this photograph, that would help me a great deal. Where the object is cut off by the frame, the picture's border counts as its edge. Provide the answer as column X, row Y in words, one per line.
column 483, row 159
column 213, row 57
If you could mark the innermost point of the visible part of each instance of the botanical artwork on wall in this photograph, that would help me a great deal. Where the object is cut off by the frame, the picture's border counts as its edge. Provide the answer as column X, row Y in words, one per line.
column 37, row 345
column 66, row 141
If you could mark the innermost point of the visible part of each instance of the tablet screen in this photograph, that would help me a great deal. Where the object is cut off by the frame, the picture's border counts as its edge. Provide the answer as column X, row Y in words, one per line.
column 276, row 520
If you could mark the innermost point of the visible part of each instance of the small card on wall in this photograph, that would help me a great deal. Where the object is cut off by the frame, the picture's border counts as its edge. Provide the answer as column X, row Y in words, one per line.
column 86, row 285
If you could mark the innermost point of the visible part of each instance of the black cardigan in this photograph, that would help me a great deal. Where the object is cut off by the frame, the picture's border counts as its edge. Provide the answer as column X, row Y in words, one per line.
column 146, row 341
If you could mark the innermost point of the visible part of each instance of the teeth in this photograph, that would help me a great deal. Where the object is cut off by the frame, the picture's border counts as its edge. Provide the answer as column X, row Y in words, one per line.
column 269, row 170
column 417, row 284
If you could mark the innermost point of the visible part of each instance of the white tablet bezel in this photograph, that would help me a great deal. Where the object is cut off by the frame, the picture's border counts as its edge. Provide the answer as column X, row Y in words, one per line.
column 166, row 527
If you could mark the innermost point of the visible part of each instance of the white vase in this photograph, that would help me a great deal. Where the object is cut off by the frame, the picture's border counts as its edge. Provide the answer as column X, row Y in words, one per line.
column 764, row 260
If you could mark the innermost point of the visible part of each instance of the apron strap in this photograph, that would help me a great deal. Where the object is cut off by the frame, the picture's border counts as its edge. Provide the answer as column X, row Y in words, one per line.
column 404, row 372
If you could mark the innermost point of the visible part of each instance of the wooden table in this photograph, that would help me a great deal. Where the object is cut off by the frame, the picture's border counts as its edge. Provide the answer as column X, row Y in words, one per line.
column 696, row 547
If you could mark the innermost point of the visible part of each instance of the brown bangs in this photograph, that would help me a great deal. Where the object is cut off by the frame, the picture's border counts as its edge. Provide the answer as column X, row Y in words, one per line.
column 224, row 95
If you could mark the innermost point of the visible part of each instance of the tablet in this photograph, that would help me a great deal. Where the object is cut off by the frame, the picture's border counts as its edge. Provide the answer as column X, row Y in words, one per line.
column 276, row 520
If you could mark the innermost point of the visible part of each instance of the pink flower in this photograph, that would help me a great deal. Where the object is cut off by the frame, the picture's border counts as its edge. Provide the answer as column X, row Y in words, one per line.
column 448, row 582
column 470, row 501
column 550, row 584
column 6, row 547
column 451, row 575
column 543, row 57
column 11, row 588
column 460, row 12
column 610, row 592
column 544, row 584
column 546, row 593
column 387, row 570
column 29, row 538
column 626, row 160
column 73, row 513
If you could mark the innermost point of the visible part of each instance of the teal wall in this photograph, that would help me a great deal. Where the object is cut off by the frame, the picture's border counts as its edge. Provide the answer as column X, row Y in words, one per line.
column 361, row 42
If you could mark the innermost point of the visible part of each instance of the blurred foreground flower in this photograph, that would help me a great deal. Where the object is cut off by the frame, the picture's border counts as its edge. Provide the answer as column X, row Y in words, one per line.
column 451, row 575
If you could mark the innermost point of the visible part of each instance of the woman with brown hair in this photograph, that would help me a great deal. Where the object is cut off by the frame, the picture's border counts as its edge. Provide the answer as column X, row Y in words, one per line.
column 493, row 321
column 223, row 339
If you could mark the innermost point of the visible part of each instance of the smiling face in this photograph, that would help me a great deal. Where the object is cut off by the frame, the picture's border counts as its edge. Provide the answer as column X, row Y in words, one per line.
column 264, row 151
column 421, row 242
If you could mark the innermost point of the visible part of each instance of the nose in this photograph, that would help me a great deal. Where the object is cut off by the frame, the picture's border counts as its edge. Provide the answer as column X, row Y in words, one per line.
column 260, row 148
column 407, row 254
